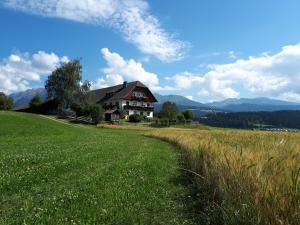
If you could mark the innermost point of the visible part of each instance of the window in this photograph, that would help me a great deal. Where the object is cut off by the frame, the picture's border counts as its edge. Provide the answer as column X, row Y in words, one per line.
column 141, row 113
column 148, row 113
column 127, row 103
column 138, row 94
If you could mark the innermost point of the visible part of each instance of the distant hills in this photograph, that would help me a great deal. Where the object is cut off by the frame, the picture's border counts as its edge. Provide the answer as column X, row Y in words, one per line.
column 228, row 105
column 254, row 105
column 24, row 97
column 182, row 103
column 178, row 100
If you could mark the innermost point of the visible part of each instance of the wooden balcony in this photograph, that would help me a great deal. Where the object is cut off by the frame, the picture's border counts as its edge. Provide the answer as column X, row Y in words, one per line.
column 139, row 108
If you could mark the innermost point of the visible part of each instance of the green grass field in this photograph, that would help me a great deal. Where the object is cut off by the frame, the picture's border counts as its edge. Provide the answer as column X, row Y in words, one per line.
column 55, row 173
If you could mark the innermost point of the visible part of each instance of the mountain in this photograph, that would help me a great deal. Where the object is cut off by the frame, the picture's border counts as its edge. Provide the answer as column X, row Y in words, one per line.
column 178, row 100
column 254, row 105
column 24, row 97
column 183, row 103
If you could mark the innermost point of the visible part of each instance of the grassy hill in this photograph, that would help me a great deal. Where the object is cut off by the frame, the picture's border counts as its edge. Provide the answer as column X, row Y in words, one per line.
column 55, row 173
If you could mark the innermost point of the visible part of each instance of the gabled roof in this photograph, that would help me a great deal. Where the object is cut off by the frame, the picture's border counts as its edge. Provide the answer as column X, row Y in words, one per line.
column 115, row 92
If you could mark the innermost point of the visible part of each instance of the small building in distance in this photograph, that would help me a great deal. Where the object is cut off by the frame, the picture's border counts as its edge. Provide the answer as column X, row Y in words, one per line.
column 125, row 99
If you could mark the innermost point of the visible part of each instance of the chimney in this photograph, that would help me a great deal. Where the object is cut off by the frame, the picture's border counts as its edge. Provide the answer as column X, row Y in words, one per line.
column 125, row 84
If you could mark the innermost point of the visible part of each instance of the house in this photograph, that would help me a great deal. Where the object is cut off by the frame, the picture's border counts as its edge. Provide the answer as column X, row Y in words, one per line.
column 125, row 99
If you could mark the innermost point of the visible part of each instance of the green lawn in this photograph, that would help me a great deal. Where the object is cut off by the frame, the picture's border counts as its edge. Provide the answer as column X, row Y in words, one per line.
column 54, row 173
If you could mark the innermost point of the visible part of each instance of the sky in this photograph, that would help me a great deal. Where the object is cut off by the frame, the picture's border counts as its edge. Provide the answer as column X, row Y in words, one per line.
column 206, row 50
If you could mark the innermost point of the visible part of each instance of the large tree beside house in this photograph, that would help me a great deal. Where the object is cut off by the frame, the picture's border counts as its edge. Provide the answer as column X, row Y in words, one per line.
column 64, row 84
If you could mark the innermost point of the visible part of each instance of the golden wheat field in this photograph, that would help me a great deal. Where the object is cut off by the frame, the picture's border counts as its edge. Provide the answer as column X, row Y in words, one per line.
column 241, row 177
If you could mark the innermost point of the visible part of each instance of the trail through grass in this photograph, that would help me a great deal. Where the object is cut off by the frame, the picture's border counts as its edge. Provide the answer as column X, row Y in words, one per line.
column 52, row 173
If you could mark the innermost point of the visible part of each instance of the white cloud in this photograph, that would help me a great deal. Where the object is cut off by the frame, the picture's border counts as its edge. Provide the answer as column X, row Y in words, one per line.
column 118, row 69
column 17, row 70
column 189, row 97
column 130, row 17
column 229, row 54
column 276, row 76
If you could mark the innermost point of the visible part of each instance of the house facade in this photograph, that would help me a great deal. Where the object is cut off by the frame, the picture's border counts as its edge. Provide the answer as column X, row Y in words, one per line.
column 124, row 100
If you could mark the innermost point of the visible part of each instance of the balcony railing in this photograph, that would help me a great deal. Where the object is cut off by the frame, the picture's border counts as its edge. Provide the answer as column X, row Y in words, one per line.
column 139, row 108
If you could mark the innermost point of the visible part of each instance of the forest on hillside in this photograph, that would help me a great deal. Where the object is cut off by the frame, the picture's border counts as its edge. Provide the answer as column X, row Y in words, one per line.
column 251, row 120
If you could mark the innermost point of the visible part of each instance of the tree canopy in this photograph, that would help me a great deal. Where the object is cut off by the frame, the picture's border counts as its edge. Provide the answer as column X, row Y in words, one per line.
column 35, row 101
column 6, row 103
column 64, row 83
column 188, row 114
column 169, row 110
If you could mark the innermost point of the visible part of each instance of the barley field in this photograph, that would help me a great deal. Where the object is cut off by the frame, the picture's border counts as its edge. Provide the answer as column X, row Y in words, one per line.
column 240, row 177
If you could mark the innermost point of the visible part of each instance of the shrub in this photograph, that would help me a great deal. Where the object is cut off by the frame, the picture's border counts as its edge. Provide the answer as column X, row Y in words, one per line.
column 181, row 119
column 95, row 112
column 78, row 109
column 135, row 118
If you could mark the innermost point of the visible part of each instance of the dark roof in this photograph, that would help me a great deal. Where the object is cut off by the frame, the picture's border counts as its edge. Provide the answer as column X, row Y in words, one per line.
column 117, row 92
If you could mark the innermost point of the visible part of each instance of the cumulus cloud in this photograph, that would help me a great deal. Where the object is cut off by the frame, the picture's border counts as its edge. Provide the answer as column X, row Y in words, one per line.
column 17, row 70
column 118, row 69
column 131, row 18
column 276, row 76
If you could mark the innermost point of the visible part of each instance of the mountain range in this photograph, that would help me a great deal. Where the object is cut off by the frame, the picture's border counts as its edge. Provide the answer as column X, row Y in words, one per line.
column 227, row 105
column 24, row 97
column 254, row 105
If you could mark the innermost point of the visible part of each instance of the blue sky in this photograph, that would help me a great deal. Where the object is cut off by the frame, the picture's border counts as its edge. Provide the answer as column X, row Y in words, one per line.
column 204, row 49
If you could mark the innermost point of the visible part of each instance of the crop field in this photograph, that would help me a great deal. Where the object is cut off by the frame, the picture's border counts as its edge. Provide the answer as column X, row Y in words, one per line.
column 55, row 173
column 241, row 177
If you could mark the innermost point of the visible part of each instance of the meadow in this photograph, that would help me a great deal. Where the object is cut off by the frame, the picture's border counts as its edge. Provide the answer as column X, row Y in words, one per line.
column 240, row 177
column 57, row 173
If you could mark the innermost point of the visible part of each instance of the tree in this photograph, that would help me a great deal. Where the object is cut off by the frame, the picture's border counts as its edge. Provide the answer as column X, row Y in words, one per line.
column 83, row 94
column 35, row 101
column 188, row 114
column 96, row 113
column 169, row 110
column 6, row 103
column 64, row 83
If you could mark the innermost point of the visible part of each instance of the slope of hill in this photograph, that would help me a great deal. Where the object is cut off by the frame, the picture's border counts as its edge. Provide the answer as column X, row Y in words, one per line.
column 178, row 100
column 23, row 98
column 54, row 172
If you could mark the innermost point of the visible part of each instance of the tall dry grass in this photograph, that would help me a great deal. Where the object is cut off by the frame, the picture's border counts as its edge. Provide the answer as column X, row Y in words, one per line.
column 241, row 177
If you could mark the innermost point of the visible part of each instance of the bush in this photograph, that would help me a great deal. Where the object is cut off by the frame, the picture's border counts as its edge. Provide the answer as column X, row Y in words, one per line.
column 78, row 109
column 135, row 118
column 181, row 119
column 96, row 113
